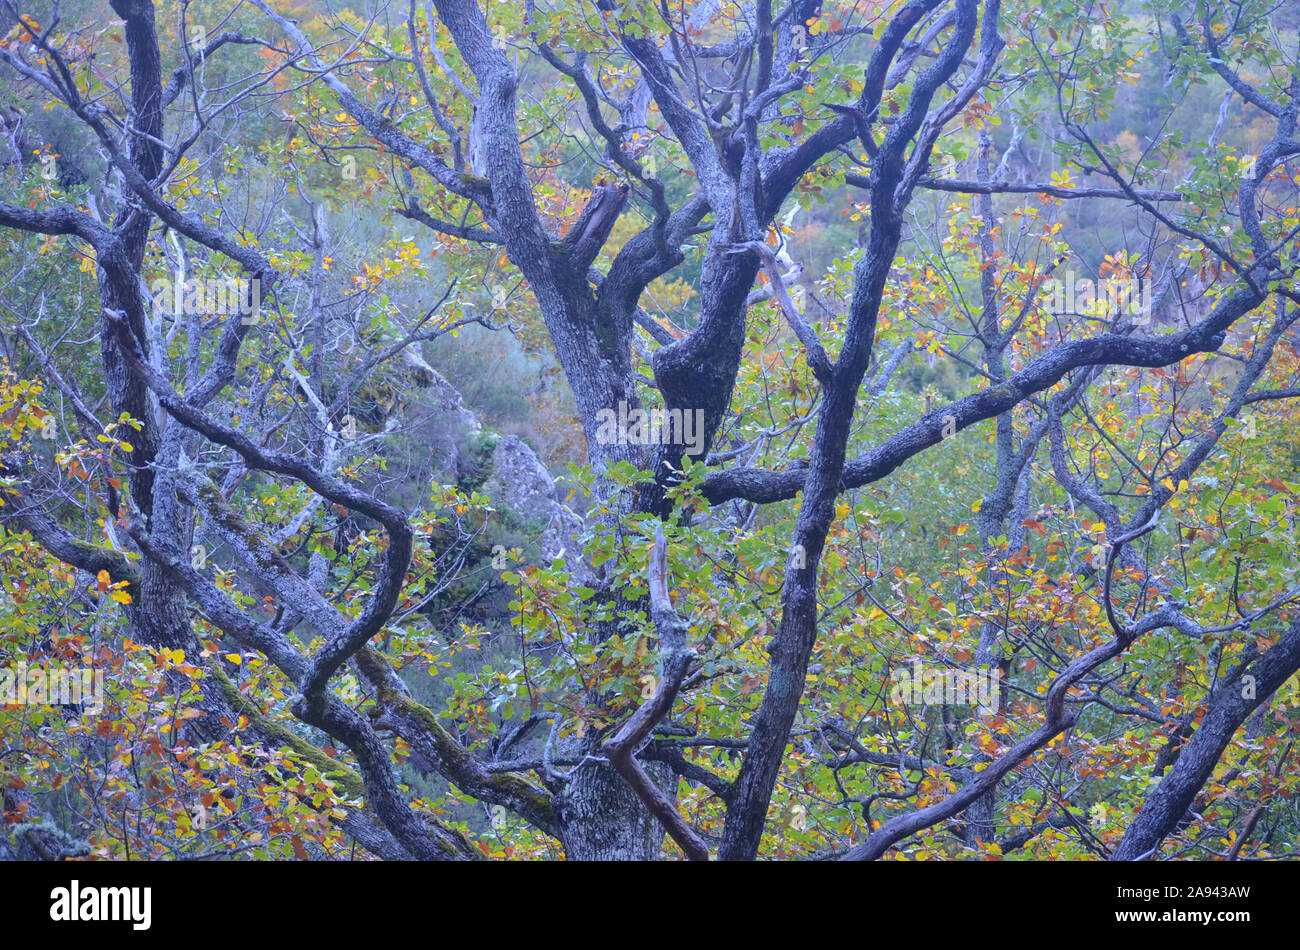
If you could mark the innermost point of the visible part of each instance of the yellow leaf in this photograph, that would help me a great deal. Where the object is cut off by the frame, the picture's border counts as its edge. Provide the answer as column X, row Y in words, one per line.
column 121, row 596
column 235, row 658
column 103, row 579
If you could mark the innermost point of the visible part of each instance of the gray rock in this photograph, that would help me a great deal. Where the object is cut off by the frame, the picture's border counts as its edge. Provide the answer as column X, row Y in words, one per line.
column 521, row 482
column 434, row 437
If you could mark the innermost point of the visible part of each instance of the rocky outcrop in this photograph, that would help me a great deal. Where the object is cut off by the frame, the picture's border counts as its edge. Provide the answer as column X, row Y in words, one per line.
column 431, row 438
column 520, row 482
column 449, row 429
column 442, row 441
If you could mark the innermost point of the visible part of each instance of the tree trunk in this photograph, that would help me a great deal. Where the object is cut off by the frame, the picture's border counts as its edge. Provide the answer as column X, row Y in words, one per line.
column 603, row 820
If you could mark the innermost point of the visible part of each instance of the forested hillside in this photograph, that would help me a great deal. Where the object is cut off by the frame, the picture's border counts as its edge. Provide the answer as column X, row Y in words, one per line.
column 649, row 429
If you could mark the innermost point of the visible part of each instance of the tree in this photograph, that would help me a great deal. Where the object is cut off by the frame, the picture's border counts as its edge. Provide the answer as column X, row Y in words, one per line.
column 715, row 123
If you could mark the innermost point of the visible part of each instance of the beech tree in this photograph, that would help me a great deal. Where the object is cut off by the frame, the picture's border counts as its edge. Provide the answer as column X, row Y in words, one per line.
column 1011, row 313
